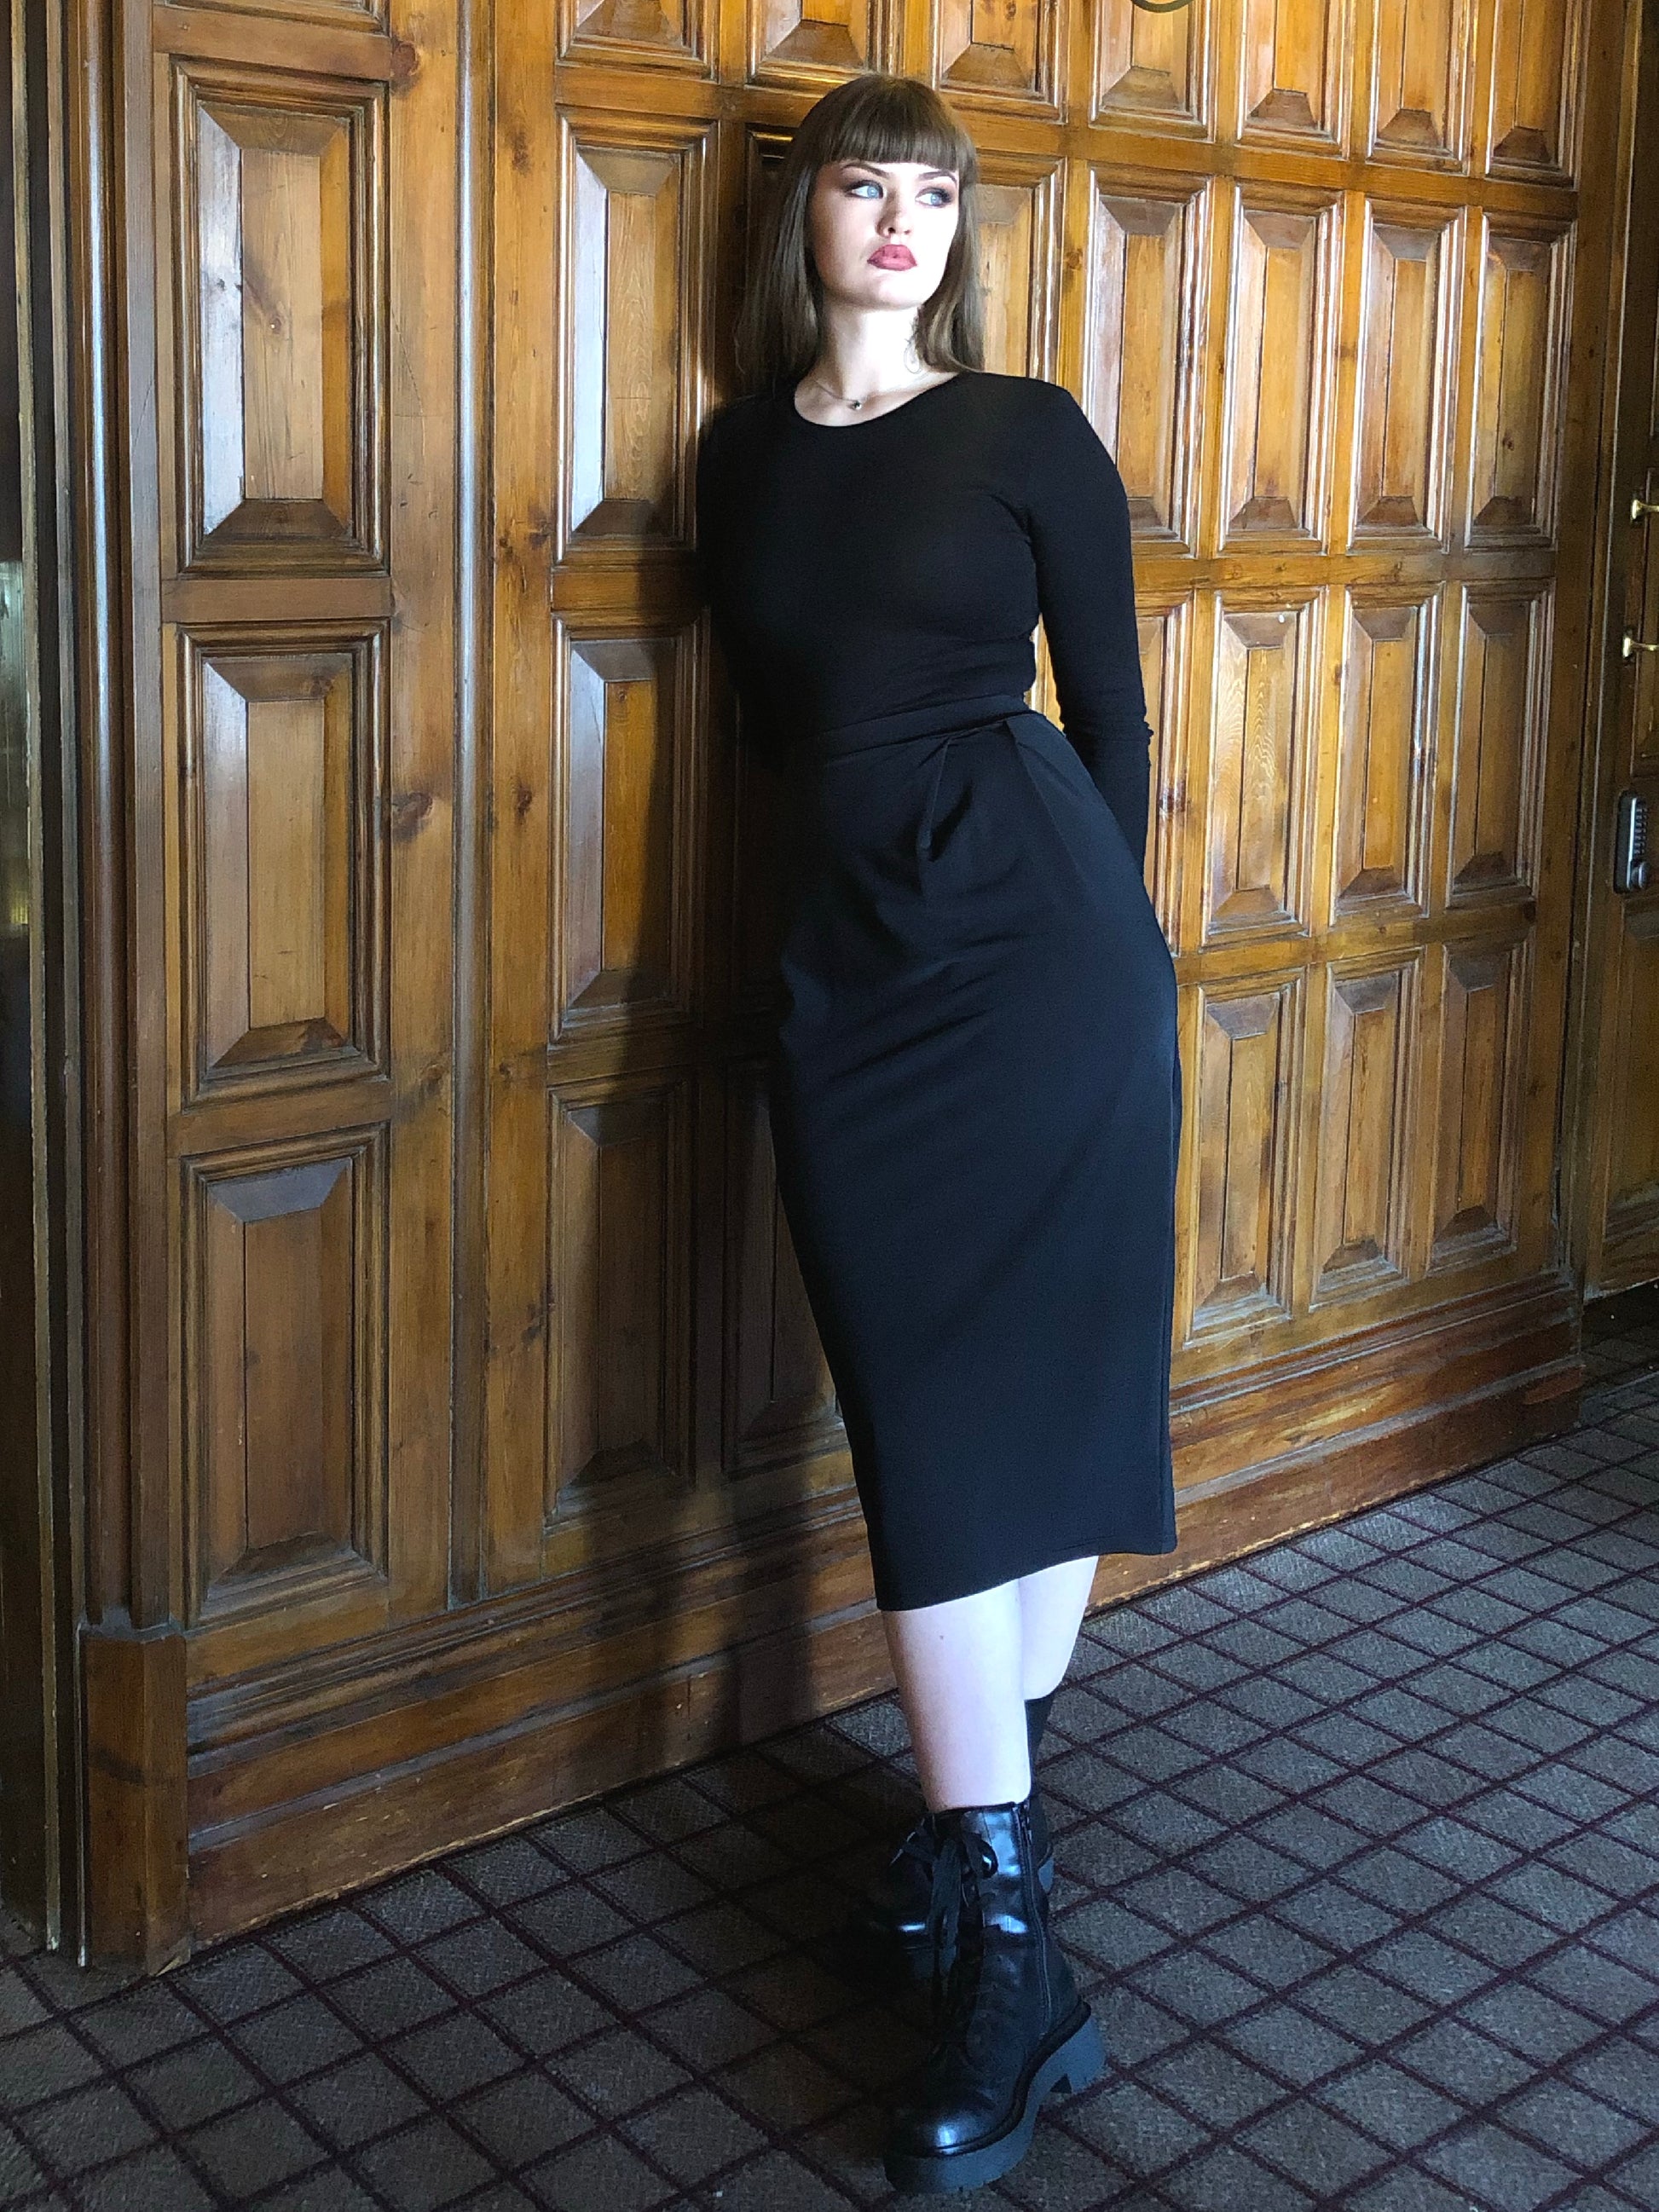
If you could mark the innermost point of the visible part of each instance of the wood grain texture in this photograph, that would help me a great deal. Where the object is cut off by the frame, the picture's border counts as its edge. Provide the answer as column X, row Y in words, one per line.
column 283, row 876
column 137, row 1902
column 1401, row 435
column 432, row 944
column 1385, row 771
column 1421, row 61
column 1609, row 1192
column 454, row 1733
column 1153, row 68
column 278, row 186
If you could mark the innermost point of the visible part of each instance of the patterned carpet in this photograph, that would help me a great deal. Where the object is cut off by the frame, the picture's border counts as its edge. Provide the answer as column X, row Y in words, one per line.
column 1358, row 1850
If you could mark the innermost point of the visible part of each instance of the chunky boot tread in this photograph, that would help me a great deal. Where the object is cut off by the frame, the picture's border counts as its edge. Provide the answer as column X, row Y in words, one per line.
column 1079, row 2060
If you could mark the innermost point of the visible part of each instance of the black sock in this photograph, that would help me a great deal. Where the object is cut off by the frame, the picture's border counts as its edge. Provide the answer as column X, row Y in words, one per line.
column 1037, row 1720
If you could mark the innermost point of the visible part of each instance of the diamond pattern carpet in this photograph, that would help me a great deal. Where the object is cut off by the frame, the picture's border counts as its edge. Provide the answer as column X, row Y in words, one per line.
column 1359, row 1853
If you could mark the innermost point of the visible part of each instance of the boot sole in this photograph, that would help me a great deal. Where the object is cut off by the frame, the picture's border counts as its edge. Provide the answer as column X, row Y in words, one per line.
column 1079, row 2059
column 892, row 1961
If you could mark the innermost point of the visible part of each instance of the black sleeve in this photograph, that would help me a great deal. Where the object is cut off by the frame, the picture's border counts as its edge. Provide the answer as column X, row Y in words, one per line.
column 1078, row 517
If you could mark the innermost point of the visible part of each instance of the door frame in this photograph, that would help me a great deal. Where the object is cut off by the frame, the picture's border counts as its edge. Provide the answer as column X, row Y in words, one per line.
column 1631, row 300
column 41, row 1493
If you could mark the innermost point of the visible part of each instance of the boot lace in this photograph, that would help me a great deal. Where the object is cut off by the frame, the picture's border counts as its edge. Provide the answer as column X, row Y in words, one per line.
column 956, row 1922
column 921, row 1843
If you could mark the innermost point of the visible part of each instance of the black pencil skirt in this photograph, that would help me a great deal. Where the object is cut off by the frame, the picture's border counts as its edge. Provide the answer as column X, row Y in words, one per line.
column 976, row 1103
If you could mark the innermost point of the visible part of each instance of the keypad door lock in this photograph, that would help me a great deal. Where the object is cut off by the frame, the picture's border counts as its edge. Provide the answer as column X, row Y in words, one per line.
column 1633, row 864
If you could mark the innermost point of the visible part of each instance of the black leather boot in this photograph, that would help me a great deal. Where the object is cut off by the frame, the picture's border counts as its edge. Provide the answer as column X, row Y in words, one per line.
column 888, row 1938
column 1037, row 1711
column 1010, row 2025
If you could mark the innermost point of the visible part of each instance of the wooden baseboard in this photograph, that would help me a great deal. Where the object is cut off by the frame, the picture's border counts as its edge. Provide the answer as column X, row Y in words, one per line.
column 133, row 1692
column 480, row 1722
column 466, row 1792
column 1302, row 1441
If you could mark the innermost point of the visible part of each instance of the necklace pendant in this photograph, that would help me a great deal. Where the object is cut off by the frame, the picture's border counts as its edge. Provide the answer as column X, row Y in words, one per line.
column 855, row 403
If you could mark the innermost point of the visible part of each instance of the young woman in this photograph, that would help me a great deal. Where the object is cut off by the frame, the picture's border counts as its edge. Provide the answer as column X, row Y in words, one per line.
column 975, row 1091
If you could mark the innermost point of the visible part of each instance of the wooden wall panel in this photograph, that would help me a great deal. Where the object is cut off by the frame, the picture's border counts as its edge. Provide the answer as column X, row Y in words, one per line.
column 455, row 904
column 1406, row 348
column 1249, row 1050
column 1142, row 387
column 658, row 34
column 1385, row 764
column 1519, row 384
column 632, row 326
column 1278, row 367
column 282, row 352
column 1535, row 87
column 1292, row 82
column 284, row 945
column 625, row 933
column 617, row 1268
column 811, row 41
column 1609, row 1193
column 1419, row 61
column 1153, row 67
column 1367, row 1090
column 1497, row 765
column 1257, row 880
column 1010, row 54
column 284, row 1279
column 1019, row 215
column 1640, row 621
column 1483, row 1021
column 293, row 832
column 299, row 837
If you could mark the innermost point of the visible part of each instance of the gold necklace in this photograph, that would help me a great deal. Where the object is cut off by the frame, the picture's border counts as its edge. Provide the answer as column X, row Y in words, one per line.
column 854, row 404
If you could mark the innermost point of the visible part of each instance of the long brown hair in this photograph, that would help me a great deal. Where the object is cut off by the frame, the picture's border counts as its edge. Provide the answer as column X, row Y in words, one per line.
column 868, row 118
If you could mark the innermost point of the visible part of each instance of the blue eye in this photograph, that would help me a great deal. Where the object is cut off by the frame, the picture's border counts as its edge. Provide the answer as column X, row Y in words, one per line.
column 935, row 195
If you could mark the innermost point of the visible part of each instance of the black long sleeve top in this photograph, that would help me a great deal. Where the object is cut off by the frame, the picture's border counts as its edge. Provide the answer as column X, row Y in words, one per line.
column 900, row 563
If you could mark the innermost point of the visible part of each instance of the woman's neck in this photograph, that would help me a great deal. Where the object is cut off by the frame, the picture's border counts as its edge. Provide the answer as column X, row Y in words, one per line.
column 862, row 355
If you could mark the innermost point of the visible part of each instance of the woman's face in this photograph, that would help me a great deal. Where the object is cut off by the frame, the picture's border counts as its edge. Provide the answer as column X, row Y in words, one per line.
column 879, row 231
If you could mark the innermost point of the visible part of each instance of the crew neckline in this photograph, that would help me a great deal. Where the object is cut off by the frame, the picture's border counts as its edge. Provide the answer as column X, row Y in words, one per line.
column 870, row 421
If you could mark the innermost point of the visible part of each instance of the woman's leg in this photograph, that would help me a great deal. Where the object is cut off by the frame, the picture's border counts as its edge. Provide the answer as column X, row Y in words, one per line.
column 1016, row 2025
column 959, row 1667
column 965, row 1670
column 1050, row 1613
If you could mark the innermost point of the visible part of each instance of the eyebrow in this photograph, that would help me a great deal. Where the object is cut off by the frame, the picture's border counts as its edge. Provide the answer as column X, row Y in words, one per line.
column 852, row 161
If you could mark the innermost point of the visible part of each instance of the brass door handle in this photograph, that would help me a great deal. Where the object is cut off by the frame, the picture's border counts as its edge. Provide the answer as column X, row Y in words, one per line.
column 1638, row 508
column 1633, row 644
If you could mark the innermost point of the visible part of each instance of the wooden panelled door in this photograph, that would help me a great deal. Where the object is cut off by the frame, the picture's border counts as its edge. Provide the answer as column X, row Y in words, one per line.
column 458, row 1439
column 1611, row 1133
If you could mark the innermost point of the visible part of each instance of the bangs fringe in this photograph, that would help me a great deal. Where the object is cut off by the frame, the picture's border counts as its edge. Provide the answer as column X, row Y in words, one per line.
column 894, row 119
